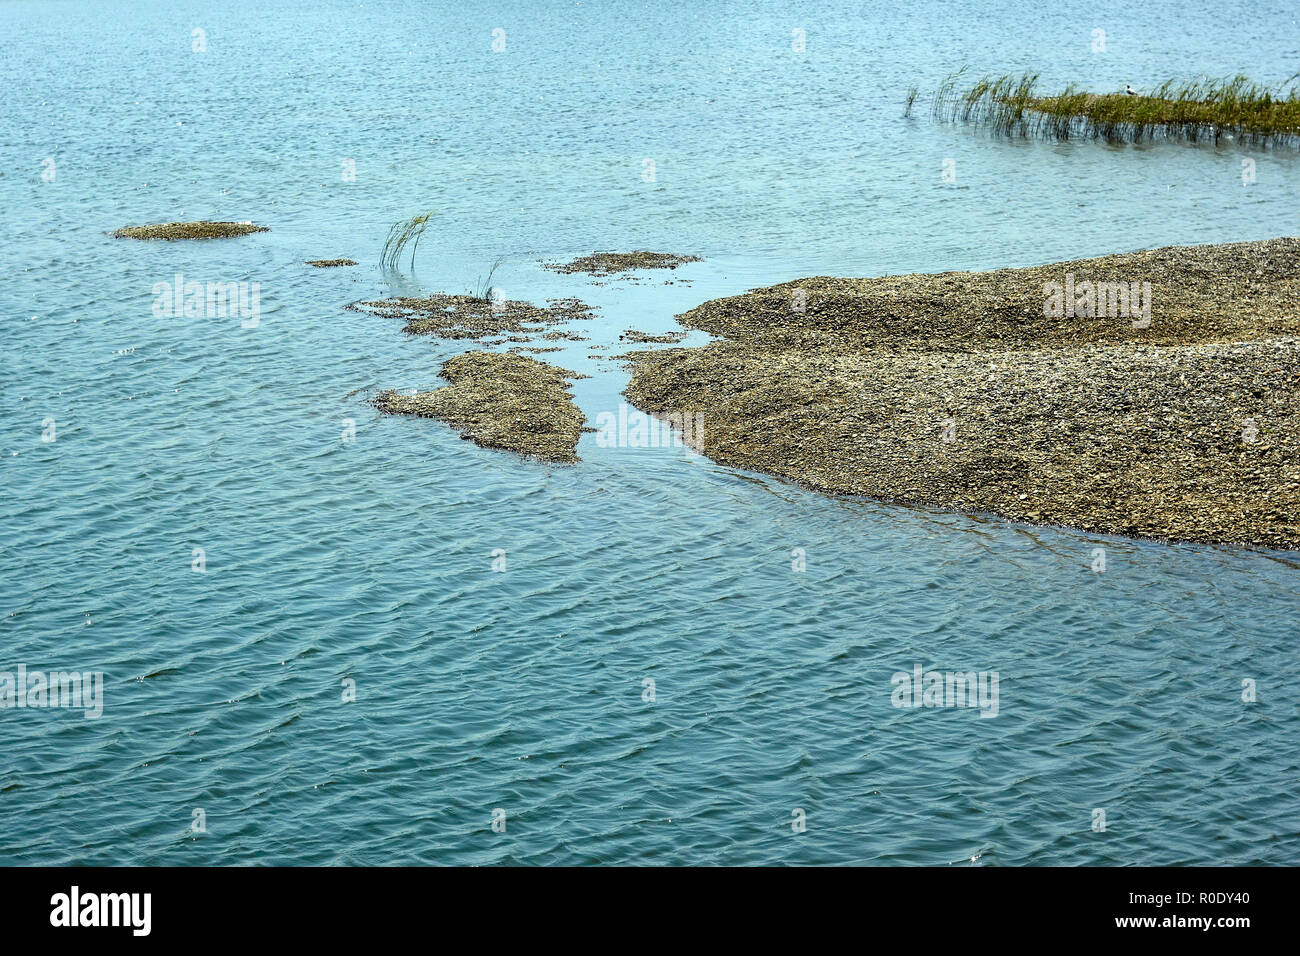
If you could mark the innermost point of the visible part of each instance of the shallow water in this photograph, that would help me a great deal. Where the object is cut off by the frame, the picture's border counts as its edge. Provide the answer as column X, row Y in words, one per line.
column 371, row 560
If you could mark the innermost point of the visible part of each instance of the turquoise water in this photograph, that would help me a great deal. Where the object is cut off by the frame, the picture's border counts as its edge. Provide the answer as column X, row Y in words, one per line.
column 371, row 561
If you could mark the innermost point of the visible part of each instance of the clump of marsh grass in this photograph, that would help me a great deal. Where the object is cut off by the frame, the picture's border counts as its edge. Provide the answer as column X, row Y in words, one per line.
column 331, row 263
column 403, row 234
column 945, row 93
column 189, row 230
column 912, row 94
column 1189, row 111
column 484, row 289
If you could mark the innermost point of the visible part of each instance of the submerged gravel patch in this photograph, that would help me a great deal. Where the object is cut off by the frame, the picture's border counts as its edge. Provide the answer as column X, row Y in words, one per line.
column 955, row 390
column 609, row 263
column 471, row 317
column 189, row 230
column 639, row 337
column 501, row 400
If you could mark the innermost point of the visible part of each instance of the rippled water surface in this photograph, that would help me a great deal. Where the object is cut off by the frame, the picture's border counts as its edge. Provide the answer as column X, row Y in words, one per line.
column 371, row 561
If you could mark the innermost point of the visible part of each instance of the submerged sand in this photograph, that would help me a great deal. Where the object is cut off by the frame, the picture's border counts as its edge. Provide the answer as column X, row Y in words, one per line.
column 501, row 400
column 956, row 390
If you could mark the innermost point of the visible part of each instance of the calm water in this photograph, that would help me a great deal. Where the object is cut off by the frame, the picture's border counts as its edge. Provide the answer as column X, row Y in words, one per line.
column 371, row 561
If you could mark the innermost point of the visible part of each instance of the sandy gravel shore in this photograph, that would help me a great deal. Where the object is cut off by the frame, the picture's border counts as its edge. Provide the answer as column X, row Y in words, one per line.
column 957, row 390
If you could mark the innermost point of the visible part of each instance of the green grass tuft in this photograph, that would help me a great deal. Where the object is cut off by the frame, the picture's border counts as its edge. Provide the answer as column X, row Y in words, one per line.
column 404, row 233
column 1190, row 111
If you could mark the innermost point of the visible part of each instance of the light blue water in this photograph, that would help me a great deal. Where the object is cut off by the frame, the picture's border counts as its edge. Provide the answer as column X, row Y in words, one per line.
column 372, row 560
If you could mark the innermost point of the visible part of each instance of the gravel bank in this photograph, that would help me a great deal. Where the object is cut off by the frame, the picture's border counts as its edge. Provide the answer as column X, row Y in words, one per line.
column 956, row 390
